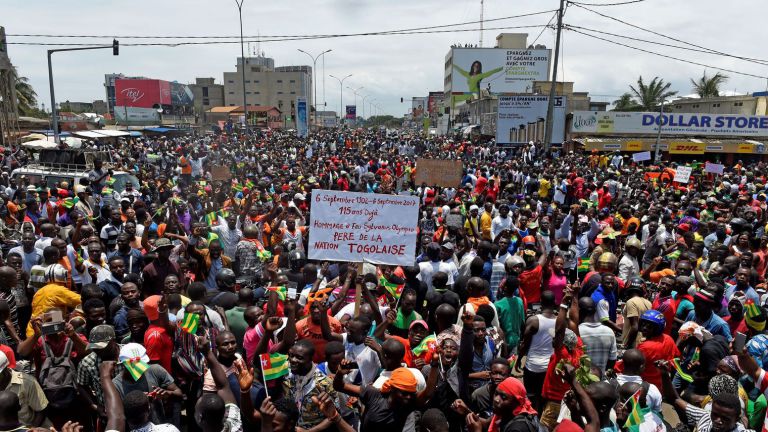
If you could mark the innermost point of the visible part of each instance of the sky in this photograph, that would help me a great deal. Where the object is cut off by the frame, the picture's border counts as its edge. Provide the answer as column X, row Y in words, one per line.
column 387, row 67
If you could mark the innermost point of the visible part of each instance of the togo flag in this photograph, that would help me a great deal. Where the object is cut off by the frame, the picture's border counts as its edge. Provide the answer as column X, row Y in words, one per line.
column 135, row 367
column 281, row 291
column 636, row 414
column 427, row 344
column 393, row 289
column 190, row 323
column 274, row 366
column 583, row 264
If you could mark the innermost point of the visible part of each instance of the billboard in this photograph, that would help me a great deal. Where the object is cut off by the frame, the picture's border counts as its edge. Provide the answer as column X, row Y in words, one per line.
column 434, row 102
column 181, row 94
column 302, row 119
column 351, row 112
column 497, row 70
column 612, row 122
column 418, row 105
column 521, row 119
column 142, row 93
column 124, row 114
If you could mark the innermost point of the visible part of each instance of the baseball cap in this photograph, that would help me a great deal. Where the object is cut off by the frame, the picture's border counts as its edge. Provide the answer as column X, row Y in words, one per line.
column 298, row 197
column 133, row 351
column 101, row 336
column 418, row 322
column 162, row 243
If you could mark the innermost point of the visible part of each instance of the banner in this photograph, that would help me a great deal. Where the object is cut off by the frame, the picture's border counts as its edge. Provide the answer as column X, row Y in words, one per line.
column 357, row 227
column 181, row 94
column 302, row 118
column 440, row 172
column 714, row 168
column 642, row 156
column 612, row 122
column 683, row 174
column 142, row 93
column 498, row 70
column 521, row 119
column 687, row 147
column 351, row 112
column 220, row 173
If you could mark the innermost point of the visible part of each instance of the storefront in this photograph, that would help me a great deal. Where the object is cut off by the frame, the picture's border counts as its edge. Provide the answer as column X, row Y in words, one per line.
column 721, row 151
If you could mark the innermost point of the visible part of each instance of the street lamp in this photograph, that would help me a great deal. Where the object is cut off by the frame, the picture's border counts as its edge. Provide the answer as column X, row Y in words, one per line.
column 239, row 4
column 370, row 107
column 341, row 93
column 364, row 97
column 355, row 91
column 115, row 51
column 314, row 81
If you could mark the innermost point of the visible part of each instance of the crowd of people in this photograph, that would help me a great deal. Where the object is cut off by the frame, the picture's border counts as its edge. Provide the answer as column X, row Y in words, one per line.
column 577, row 291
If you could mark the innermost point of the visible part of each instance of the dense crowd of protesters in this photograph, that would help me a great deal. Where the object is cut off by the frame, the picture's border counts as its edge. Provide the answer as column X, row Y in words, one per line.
column 568, row 291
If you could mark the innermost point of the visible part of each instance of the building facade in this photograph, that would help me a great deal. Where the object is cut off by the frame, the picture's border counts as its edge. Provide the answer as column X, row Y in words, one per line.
column 207, row 94
column 267, row 85
column 754, row 104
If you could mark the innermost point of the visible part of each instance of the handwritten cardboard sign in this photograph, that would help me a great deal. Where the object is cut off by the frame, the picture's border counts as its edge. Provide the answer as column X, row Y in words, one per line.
column 221, row 173
column 440, row 172
column 357, row 227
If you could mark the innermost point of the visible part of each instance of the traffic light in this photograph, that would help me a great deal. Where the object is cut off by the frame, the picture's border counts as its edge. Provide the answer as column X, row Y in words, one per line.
column 115, row 47
column 401, row 100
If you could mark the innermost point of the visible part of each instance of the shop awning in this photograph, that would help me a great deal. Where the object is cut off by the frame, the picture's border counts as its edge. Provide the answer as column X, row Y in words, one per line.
column 689, row 146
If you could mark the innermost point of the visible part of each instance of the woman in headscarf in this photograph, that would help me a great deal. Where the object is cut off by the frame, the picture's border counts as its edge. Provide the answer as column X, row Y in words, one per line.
column 511, row 408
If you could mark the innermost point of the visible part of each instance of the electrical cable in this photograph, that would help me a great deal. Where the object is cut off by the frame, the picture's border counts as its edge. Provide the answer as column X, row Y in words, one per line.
column 220, row 42
column 666, row 56
column 749, row 59
column 608, row 4
column 545, row 27
column 764, row 62
column 280, row 36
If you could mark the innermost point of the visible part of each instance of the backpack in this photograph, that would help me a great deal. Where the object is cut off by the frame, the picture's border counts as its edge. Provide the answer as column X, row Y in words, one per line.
column 57, row 377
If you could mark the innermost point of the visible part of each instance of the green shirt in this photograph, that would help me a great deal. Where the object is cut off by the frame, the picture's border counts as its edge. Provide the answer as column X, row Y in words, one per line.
column 404, row 322
column 237, row 324
column 511, row 318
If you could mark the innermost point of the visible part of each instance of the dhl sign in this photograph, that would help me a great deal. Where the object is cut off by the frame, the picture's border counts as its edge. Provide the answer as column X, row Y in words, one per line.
column 686, row 148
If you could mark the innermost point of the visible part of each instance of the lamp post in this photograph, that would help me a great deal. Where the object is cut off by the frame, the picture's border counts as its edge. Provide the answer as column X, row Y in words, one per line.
column 657, row 155
column 355, row 91
column 314, row 81
column 364, row 98
column 370, row 107
column 55, row 116
column 341, row 94
column 239, row 4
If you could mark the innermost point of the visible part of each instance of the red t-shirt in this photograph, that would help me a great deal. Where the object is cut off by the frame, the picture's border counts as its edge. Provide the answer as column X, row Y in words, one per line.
column 159, row 345
column 736, row 326
column 9, row 354
column 410, row 358
column 554, row 387
column 530, row 285
column 306, row 329
column 57, row 347
column 661, row 347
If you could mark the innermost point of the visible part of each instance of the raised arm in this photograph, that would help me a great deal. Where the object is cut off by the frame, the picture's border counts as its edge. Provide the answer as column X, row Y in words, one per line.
column 113, row 404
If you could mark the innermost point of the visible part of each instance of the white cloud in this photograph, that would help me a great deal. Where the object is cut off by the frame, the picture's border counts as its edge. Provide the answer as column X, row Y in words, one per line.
column 388, row 67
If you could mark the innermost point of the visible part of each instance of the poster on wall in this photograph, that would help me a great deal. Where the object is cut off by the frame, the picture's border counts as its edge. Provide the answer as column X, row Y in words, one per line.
column 521, row 119
column 351, row 112
column 302, row 119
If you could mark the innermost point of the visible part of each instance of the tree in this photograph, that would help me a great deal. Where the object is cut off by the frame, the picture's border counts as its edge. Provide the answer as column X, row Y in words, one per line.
column 650, row 95
column 26, row 97
column 625, row 103
column 709, row 86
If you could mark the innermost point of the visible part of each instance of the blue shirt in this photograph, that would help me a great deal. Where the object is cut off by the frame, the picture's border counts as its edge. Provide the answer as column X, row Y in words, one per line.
column 714, row 324
column 749, row 292
column 610, row 298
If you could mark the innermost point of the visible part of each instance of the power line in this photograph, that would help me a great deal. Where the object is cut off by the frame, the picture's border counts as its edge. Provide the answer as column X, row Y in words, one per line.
column 222, row 42
column 671, row 37
column 543, row 29
column 764, row 62
column 280, row 36
column 667, row 56
column 607, row 4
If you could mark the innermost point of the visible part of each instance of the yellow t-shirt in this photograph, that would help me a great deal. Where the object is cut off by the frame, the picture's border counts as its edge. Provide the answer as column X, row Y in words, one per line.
column 544, row 187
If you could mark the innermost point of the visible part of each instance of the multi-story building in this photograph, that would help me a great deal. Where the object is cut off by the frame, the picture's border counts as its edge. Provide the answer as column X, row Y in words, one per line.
column 207, row 94
column 754, row 104
column 267, row 85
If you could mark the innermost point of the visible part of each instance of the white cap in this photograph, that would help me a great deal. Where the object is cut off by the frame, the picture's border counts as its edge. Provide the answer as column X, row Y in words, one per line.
column 131, row 351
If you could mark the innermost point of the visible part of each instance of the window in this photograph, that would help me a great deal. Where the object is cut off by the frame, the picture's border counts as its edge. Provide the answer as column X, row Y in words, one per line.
column 279, row 104
column 231, row 92
column 247, row 92
column 258, row 92
column 678, row 106
column 205, row 91
column 279, row 92
column 247, row 81
column 695, row 106
column 206, row 102
column 280, row 81
column 715, row 105
column 738, row 104
column 293, row 92
column 231, row 81
column 293, row 81
column 231, row 104
column 256, row 81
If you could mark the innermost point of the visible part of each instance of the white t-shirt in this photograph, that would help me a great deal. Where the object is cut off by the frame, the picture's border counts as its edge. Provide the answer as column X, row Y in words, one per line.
column 653, row 398
column 365, row 357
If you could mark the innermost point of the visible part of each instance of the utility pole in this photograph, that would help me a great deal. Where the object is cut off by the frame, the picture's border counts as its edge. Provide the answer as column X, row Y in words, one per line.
column 551, row 104
column 657, row 156
column 482, row 9
column 242, row 65
column 342, row 114
column 314, row 81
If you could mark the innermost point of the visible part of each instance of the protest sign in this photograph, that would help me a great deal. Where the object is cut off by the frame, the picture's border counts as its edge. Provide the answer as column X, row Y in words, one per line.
column 641, row 156
column 220, row 173
column 440, row 172
column 714, row 168
column 683, row 174
column 357, row 227
column 454, row 220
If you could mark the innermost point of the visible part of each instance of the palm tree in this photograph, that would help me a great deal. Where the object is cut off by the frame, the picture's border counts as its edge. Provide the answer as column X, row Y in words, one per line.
column 625, row 103
column 709, row 86
column 26, row 97
column 652, row 94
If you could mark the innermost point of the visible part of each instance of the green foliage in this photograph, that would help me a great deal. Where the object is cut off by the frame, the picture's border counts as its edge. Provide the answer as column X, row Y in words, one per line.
column 709, row 86
column 650, row 95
